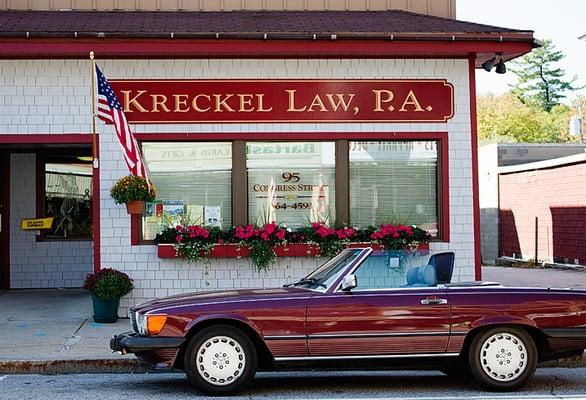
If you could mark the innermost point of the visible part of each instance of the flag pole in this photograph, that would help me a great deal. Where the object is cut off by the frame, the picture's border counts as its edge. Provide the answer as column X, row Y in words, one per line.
column 95, row 160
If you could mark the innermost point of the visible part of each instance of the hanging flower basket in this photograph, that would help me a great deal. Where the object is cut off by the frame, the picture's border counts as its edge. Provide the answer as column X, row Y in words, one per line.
column 133, row 191
column 135, row 207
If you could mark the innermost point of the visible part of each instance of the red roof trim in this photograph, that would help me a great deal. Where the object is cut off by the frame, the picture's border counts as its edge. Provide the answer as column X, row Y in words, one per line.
column 191, row 48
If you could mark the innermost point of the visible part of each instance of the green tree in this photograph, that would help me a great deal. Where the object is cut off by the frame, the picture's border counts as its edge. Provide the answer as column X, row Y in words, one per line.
column 541, row 83
column 505, row 118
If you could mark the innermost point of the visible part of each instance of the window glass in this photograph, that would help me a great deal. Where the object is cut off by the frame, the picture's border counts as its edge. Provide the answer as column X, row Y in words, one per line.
column 328, row 272
column 193, row 182
column 68, row 198
column 394, row 182
column 291, row 183
column 389, row 269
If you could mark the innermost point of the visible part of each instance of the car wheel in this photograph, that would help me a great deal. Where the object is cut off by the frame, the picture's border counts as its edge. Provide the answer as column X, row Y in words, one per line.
column 503, row 358
column 220, row 360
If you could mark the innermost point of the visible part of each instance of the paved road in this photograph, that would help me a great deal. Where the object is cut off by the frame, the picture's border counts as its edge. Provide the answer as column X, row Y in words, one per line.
column 535, row 277
column 555, row 383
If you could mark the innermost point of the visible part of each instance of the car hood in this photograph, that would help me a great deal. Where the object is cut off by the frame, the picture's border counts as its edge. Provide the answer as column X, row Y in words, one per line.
column 227, row 296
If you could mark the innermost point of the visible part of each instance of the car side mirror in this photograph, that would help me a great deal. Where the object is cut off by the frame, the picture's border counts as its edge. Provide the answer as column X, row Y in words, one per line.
column 349, row 282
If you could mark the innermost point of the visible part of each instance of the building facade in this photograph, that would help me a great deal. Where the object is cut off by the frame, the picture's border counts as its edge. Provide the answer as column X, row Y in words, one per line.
column 371, row 123
column 545, row 220
column 490, row 159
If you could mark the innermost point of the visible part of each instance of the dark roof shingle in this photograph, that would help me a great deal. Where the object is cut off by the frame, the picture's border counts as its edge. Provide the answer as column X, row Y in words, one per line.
column 137, row 23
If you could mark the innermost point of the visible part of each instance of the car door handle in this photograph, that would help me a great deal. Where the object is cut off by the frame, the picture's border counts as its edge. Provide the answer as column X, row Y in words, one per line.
column 434, row 300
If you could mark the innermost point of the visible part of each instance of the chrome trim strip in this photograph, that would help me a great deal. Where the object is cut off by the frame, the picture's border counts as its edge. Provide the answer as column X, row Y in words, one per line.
column 358, row 357
column 291, row 337
column 358, row 335
column 367, row 335
column 421, row 288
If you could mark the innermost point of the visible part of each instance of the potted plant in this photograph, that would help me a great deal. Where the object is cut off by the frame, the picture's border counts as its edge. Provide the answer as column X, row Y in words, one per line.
column 107, row 286
column 133, row 191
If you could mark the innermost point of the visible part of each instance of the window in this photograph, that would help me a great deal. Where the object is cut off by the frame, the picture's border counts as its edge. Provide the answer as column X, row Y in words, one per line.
column 193, row 182
column 390, row 269
column 68, row 197
column 359, row 183
column 394, row 182
column 292, row 183
column 381, row 270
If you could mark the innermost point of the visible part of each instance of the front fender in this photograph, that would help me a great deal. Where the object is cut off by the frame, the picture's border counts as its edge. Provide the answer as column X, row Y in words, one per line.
column 219, row 318
column 502, row 320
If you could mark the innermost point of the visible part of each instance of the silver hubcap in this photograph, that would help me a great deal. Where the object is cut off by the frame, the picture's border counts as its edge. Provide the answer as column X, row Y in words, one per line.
column 220, row 360
column 503, row 357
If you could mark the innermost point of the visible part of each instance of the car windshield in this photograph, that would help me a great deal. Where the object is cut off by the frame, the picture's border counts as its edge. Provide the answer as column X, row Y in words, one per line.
column 325, row 275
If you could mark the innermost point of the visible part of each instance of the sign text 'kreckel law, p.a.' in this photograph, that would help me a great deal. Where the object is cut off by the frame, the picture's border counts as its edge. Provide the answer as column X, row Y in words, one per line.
column 193, row 101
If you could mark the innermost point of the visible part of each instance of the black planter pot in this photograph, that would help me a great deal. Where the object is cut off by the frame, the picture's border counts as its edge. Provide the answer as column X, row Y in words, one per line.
column 105, row 311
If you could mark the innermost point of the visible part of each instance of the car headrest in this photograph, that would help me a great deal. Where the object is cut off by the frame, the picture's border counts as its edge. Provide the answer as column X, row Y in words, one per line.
column 412, row 275
column 424, row 275
column 429, row 275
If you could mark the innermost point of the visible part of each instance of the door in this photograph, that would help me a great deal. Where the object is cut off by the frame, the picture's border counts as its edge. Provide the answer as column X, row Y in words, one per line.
column 380, row 316
column 4, row 220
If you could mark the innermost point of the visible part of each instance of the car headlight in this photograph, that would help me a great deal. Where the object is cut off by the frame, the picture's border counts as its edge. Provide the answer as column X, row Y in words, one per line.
column 141, row 323
column 150, row 324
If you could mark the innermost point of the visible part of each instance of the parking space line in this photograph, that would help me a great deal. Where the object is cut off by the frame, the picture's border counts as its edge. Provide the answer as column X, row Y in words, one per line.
column 503, row 397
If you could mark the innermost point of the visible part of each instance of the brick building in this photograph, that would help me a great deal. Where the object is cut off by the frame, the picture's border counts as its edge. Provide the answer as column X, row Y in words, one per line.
column 420, row 163
column 495, row 156
column 548, row 194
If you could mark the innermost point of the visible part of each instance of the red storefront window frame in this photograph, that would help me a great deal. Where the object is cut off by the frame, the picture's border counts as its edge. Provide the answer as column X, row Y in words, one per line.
column 443, row 160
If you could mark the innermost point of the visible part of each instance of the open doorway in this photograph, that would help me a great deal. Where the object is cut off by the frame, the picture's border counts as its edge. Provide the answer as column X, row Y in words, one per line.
column 4, row 220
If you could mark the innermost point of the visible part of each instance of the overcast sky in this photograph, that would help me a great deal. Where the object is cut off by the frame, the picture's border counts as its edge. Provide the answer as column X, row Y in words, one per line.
column 562, row 21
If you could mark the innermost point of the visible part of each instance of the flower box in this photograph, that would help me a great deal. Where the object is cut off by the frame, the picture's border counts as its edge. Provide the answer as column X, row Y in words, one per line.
column 297, row 250
column 357, row 245
column 166, row 250
column 232, row 251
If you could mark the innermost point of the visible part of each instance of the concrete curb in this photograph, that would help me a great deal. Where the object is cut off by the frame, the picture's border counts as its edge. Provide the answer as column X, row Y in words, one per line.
column 518, row 263
column 130, row 366
column 572, row 362
column 81, row 366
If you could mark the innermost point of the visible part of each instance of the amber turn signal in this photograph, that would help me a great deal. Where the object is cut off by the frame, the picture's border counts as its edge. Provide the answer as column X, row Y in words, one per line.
column 155, row 323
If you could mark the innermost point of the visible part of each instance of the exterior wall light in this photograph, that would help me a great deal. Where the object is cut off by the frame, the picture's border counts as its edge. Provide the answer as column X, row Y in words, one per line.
column 498, row 62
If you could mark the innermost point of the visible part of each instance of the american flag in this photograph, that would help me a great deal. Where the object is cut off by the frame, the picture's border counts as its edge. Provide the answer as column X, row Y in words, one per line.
column 110, row 110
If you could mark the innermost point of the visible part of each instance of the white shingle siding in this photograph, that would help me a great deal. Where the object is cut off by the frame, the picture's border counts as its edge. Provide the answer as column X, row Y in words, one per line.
column 54, row 97
column 46, row 264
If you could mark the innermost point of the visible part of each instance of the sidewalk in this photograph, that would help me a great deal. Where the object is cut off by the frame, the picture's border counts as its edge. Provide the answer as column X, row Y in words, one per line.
column 52, row 332
column 47, row 331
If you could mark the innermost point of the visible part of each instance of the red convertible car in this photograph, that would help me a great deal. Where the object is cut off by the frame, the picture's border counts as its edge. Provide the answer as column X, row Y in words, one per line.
column 363, row 309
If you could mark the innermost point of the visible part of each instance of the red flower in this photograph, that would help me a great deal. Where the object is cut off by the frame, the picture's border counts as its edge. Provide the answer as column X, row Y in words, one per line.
column 179, row 238
column 270, row 228
column 280, row 234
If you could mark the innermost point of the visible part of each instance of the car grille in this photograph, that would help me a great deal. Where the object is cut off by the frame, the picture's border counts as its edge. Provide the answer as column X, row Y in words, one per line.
column 133, row 321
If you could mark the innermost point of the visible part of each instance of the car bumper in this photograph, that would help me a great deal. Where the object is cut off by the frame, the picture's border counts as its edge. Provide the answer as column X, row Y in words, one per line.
column 130, row 342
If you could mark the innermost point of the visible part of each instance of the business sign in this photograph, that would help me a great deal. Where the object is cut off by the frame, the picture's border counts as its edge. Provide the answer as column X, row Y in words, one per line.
column 201, row 101
column 34, row 224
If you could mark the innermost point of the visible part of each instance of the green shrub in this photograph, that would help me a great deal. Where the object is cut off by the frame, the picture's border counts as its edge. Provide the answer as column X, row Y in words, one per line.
column 108, row 284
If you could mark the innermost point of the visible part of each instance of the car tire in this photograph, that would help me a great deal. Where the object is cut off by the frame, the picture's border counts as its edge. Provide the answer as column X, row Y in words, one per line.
column 502, row 358
column 220, row 360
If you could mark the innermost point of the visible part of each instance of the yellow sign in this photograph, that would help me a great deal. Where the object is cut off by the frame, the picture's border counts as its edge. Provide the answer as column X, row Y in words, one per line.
column 36, row 224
